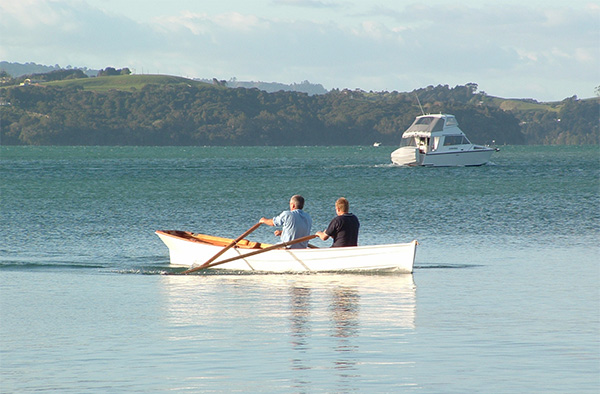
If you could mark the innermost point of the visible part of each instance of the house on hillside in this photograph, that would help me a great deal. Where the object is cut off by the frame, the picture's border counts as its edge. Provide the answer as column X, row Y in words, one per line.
column 30, row 81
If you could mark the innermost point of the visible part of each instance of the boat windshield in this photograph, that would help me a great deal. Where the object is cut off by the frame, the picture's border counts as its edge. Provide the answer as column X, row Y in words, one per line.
column 425, row 120
column 451, row 121
column 456, row 140
column 438, row 126
column 427, row 124
column 409, row 141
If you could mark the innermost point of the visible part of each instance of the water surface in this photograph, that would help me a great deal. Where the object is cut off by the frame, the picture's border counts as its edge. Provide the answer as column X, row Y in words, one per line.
column 504, row 297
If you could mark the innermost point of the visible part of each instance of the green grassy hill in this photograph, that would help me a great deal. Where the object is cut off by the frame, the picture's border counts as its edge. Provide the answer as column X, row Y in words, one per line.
column 125, row 82
column 521, row 105
column 132, row 82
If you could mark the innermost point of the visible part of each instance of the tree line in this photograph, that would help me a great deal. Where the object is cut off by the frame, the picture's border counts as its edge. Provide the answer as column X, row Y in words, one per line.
column 204, row 114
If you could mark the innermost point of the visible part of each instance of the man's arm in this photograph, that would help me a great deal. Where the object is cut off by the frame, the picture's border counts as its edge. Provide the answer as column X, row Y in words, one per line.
column 323, row 235
column 268, row 222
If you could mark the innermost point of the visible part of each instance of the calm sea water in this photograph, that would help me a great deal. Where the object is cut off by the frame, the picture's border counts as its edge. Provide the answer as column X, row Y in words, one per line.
column 504, row 298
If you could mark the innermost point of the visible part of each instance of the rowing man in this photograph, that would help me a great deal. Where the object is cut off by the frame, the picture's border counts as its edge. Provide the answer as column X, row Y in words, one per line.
column 294, row 223
column 343, row 228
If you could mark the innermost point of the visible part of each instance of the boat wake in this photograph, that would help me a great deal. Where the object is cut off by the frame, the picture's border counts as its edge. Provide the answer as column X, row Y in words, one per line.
column 387, row 165
column 30, row 266
column 447, row 266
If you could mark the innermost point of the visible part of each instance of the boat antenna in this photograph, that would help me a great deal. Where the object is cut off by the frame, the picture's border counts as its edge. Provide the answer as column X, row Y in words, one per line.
column 418, row 101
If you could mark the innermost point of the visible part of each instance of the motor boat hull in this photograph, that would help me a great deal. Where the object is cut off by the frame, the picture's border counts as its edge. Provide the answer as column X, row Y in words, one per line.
column 407, row 156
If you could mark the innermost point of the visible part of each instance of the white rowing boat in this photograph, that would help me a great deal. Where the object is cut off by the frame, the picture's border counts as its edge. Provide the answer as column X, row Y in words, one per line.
column 187, row 249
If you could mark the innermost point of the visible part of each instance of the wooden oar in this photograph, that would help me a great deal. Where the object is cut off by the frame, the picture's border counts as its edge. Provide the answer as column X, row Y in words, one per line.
column 281, row 245
column 226, row 248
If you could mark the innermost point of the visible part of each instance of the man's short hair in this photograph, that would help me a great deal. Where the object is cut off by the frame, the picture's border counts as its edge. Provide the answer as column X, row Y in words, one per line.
column 342, row 204
column 298, row 201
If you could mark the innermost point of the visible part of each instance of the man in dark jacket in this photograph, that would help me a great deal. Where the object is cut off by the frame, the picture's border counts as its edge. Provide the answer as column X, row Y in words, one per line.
column 343, row 228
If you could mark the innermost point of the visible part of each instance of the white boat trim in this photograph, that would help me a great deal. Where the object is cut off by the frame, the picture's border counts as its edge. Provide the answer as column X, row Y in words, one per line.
column 188, row 250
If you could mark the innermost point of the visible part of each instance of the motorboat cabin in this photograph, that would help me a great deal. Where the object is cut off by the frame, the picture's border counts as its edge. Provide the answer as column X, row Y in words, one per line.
column 437, row 141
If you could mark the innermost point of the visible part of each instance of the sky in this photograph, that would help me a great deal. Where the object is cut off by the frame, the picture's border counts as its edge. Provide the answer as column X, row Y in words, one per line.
column 547, row 50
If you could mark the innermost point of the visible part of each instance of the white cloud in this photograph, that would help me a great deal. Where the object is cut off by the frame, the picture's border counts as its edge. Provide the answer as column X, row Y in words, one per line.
column 29, row 13
column 202, row 23
column 188, row 20
column 308, row 3
column 506, row 50
column 586, row 56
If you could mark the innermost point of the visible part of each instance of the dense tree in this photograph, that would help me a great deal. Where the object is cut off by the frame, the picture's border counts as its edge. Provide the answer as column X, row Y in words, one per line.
column 204, row 114
column 111, row 71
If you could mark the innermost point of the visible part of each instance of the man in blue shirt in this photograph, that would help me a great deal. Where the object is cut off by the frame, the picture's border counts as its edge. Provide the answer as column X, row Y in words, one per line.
column 294, row 223
column 343, row 228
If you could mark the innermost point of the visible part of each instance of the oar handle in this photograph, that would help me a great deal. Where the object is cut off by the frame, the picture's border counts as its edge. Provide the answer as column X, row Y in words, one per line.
column 280, row 245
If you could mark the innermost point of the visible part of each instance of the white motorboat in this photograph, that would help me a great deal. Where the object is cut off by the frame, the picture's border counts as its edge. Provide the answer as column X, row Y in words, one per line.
column 191, row 250
column 437, row 141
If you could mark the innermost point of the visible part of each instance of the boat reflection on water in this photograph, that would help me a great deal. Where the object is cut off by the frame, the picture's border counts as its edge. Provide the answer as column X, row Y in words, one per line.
column 312, row 322
column 343, row 321
column 346, row 323
column 387, row 299
column 335, row 311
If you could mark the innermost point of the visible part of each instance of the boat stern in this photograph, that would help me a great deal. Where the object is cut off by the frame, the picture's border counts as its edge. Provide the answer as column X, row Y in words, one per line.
column 405, row 156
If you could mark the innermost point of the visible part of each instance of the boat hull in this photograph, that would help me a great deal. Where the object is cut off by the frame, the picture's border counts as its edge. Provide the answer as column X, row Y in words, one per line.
column 185, row 252
column 408, row 156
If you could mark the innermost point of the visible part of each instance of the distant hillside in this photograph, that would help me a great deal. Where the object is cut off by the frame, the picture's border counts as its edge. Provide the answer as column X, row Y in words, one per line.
column 17, row 69
column 271, row 87
column 124, row 82
column 170, row 110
